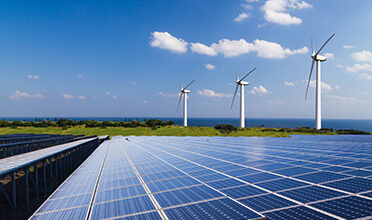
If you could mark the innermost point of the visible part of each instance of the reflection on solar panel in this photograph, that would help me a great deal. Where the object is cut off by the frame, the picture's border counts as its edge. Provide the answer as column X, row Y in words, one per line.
column 303, row 177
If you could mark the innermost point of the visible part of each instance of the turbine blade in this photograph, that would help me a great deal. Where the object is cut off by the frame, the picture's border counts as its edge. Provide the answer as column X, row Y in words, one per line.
column 308, row 82
column 237, row 77
column 325, row 44
column 189, row 84
column 248, row 74
column 181, row 86
column 236, row 89
column 179, row 101
column 312, row 45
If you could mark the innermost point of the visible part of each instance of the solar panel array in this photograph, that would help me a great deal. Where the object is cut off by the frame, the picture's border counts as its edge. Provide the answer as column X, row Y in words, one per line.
column 303, row 177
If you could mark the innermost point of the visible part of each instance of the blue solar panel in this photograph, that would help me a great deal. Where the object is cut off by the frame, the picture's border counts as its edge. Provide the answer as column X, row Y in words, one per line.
column 186, row 195
column 145, row 216
column 351, row 207
column 281, row 184
column 311, row 194
column 266, row 202
column 273, row 166
column 213, row 177
column 225, row 183
column 75, row 213
column 295, row 171
column 353, row 185
column 174, row 173
column 119, row 193
column 300, row 212
column 218, row 209
column 172, row 184
column 122, row 207
column 259, row 177
column 243, row 191
column 118, row 183
column 64, row 203
column 321, row 176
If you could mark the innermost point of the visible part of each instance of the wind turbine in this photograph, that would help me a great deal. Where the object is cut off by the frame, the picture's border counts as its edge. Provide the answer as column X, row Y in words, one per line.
column 318, row 59
column 184, row 92
column 241, row 83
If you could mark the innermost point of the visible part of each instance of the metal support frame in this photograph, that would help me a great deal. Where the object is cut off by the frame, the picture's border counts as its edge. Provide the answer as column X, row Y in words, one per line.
column 64, row 164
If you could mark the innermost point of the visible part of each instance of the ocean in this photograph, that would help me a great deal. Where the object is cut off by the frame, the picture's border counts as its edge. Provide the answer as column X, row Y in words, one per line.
column 356, row 124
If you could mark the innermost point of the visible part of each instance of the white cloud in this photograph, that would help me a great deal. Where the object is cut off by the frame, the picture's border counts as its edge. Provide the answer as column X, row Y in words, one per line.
column 364, row 76
column 365, row 93
column 276, row 11
column 211, row 93
column 166, row 41
column 288, row 83
column 260, row 90
column 210, row 66
column 359, row 67
column 145, row 101
column 337, row 87
column 114, row 97
column 340, row 66
column 232, row 48
column 325, row 86
column 202, row 49
column 241, row 17
column 346, row 99
column 108, row 93
column 363, row 56
column 230, row 84
column 95, row 97
column 82, row 97
column 329, row 55
column 19, row 95
column 348, row 47
column 67, row 96
column 33, row 76
column 273, row 50
column 133, row 83
column 80, row 76
column 168, row 95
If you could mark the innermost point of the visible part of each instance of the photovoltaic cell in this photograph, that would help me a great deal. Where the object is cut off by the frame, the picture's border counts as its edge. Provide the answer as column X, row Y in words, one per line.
column 321, row 176
column 266, row 202
column 186, row 195
column 281, row 184
column 351, row 207
column 243, row 191
column 300, row 212
column 145, row 216
column 218, row 209
column 122, row 207
column 311, row 194
column 353, row 185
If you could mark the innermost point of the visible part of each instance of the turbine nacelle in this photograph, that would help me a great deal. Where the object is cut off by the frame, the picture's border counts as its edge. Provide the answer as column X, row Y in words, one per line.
column 243, row 83
column 185, row 91
column 319, row 57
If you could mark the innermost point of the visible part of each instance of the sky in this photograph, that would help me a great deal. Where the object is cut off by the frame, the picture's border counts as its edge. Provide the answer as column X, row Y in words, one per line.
column 129, row 58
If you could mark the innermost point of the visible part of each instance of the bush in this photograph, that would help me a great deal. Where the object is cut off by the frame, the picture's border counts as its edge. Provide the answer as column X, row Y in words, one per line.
column 225, row 129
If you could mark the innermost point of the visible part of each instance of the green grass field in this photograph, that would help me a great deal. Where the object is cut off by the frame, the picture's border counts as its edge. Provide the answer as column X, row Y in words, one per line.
column 139, row 131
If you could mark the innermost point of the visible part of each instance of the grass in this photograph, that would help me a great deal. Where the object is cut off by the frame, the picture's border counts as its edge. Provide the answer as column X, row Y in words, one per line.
column 144, row 131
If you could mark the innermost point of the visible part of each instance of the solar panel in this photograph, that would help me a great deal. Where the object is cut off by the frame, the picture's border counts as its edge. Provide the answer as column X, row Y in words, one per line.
column 219, row 177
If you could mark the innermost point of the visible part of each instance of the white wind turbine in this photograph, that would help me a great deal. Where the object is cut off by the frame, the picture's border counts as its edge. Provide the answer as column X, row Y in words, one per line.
column 317, row 58
column 184, row 92
column 241, row 83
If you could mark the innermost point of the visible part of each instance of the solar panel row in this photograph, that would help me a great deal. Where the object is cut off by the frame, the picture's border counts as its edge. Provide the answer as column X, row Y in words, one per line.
column 219, row 178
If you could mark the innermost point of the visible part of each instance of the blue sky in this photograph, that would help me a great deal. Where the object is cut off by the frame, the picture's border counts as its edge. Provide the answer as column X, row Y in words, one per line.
column 128, row 58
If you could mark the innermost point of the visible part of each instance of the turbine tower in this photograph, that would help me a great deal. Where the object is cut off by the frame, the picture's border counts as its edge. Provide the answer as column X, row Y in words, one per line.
column 318, row 59
column 241, row 83
column 184, row 93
